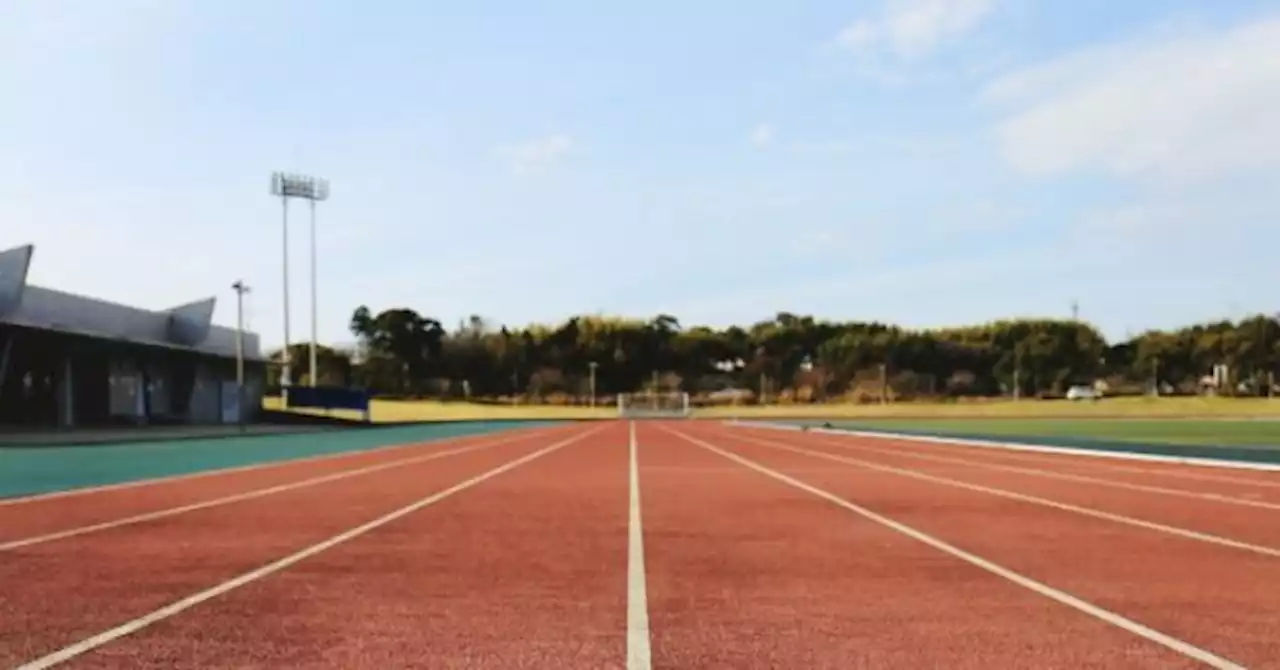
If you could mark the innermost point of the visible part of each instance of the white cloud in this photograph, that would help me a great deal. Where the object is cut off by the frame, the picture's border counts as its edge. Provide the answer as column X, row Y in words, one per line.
column 537, row 155
column 1183, row 108
column 910, row 30
column 860, row 34
column 762, row 135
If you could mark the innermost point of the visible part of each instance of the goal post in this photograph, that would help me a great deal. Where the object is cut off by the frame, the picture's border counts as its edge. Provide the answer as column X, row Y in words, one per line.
column 674, row 405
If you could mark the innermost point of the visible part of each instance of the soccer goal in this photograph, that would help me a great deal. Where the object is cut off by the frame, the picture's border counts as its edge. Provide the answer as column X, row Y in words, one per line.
column 653, row 405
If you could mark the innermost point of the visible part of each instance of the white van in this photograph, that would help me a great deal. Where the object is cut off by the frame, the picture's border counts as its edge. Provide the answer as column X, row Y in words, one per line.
column 1081, row 392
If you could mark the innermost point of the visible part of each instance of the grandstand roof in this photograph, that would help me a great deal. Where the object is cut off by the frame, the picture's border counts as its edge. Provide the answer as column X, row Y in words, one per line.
column 186, row 327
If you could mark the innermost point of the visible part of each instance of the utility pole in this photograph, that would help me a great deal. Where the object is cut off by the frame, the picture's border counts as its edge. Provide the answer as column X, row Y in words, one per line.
column 653, row 392
column 884, row 384
column 240, row 288
column 1075, row 310
column 593, row 365
column 1017, row 373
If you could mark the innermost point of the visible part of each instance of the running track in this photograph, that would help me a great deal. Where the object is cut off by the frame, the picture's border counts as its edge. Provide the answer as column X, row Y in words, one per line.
column 740, row 547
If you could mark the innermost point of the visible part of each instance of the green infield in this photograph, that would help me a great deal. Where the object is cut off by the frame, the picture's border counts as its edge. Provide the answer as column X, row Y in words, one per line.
column 1256, row 440
column 1224, row 432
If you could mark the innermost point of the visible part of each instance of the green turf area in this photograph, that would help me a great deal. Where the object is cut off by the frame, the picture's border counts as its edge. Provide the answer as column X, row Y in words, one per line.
column 1109, row 408
column 32, row 470
column 1245, row 440
column 1168, row 431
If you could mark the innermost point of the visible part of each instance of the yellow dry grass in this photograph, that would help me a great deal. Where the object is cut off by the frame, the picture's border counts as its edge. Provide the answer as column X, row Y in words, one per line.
column 398, row 411
column 393, row 411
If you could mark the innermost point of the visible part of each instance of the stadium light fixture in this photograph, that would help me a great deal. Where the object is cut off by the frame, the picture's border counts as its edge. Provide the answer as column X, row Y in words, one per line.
column 312, row 189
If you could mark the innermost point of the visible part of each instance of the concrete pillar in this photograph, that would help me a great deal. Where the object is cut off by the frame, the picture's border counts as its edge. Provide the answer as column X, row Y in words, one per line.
column 66, row 394
column 6, row 352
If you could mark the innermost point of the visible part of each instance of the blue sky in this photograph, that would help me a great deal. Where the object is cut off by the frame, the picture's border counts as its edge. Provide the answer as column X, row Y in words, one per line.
column 927, row 162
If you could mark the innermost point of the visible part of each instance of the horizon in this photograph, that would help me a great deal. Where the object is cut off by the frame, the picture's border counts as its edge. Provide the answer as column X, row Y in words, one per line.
column 922, row 163
column 353, row 342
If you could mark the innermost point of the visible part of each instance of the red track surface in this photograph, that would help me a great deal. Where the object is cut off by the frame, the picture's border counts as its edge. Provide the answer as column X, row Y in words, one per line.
column 1229, row 513
column 529, row 568
column 748, row 572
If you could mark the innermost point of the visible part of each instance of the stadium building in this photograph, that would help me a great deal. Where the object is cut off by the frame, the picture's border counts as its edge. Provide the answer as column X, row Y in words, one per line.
column 67, row 360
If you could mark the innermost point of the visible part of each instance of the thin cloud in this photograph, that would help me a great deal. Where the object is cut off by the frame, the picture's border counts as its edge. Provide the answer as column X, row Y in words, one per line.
column 537, row 155
column 911, row 30
column 763, row 135
column 1185, row 108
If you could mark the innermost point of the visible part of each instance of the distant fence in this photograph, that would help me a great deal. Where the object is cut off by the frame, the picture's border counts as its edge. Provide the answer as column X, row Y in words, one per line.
column 327, row 398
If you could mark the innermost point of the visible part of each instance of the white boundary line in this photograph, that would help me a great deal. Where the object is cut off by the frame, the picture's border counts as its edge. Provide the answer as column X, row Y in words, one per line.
column 639, row 655
column 1188, row 474
column 1048, row 474
column 86, row 490
column 1022, row 497
column 1107, row 616
column 1016, row 446
column 88, row 644
column 251, row 494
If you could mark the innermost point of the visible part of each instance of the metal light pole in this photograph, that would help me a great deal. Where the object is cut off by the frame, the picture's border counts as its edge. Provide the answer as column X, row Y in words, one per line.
column 313, row 190
column 884, row 384
column 593, row 365
column 1017, row 372
column 240, row 288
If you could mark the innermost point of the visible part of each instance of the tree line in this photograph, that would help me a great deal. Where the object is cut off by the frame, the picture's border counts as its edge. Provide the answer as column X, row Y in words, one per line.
column 789, row 358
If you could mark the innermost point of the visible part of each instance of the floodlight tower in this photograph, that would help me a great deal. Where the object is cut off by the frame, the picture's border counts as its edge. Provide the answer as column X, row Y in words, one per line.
column 312, row 190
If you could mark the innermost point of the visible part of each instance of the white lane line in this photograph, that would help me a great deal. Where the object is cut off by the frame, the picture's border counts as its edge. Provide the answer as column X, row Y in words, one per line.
column 1117, row 620
column 1099, row 465
column 1022, row 497
column 86, row 490
column 1064, row 476
column 88, row 644
column 1038, row 448
column 639, row 656
column 250, row 495
column 1070, row 459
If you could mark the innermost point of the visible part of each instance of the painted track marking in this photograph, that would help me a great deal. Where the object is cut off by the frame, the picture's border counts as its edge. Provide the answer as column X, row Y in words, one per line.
column 1064, row 476
column 250, row 495
column 1107, row 616
column 105, row 488
column 1018, row 446
column 1022, row 497
column 88, row 644
column 639, row 656
column 1080, row 460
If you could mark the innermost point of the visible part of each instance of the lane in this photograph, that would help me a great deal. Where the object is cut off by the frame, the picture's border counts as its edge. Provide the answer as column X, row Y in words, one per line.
column 22, row 518
column 52, row 594
column 746, row 572
column 1235, row 519
column 527, row 570
column 1221, row 599
column 1255, row 484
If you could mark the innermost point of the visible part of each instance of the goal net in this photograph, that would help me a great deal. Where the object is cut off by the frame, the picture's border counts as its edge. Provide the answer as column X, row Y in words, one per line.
column 655, row 405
